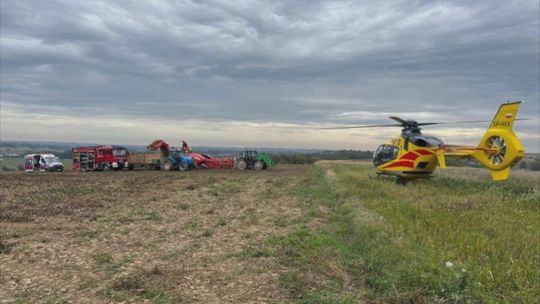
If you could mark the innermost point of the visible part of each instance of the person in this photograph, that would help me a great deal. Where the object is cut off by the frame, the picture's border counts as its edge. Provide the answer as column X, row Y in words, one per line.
column 37, row 159
column 185, row 147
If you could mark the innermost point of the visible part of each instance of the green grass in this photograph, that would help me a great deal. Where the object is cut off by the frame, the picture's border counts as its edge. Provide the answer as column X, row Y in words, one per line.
column 10, row 164
column 156, row 296
column 56, row 300
column 154, row 216
column 439, row 240
column 5, row 248
column 103, row 258
column 194, row 223
column 107, row 261
column 143, row 283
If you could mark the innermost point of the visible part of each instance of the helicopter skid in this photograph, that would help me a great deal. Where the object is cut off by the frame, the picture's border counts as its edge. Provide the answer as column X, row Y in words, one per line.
column 406, row 174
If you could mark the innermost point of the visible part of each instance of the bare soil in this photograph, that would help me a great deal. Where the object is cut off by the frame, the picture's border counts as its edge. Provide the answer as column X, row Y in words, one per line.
column 144, row 236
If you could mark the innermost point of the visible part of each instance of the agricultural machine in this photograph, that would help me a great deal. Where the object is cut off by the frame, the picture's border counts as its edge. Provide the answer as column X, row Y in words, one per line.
column 102, row 158
column 251, row 159
column 207, row 161
column 161, row 156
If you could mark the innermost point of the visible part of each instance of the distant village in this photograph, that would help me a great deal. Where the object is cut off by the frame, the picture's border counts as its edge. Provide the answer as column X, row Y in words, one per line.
column 10, row 155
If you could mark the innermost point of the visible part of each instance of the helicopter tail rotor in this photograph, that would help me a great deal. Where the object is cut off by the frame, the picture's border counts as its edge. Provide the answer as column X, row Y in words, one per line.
column 499, row 148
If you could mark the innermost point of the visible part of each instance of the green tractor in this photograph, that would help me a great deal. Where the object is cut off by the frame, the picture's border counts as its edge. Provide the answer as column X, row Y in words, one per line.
column 250, row 159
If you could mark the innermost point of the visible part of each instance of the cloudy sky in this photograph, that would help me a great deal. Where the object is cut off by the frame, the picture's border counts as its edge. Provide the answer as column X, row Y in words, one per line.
column 264, row 73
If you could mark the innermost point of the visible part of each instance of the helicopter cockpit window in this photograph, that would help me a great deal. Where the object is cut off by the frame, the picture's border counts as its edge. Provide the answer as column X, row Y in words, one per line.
column 384, row 154
column 425, row 141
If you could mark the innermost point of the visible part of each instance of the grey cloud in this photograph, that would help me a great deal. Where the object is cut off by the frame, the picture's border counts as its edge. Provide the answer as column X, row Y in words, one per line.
column 269, row 61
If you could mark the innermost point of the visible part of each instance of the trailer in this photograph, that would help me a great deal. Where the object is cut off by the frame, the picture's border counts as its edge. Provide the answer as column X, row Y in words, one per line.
column 146, row 160
column 160, row 155
column 99, row 158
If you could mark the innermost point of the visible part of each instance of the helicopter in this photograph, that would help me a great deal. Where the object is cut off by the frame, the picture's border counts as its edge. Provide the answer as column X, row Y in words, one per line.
column 415, row 155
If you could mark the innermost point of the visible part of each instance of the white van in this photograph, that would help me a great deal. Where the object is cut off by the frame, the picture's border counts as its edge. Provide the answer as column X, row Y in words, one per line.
column 42, row 162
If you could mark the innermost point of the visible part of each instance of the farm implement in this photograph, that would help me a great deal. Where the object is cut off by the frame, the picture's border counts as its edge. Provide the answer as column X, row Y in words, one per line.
column 251, row 159
column 160, row 155
column 206, row 161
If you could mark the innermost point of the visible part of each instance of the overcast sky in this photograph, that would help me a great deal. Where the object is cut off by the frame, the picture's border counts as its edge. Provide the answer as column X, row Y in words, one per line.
column 264, row 73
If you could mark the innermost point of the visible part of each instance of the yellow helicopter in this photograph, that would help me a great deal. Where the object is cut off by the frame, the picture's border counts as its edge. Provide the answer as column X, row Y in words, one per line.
column 414, row 155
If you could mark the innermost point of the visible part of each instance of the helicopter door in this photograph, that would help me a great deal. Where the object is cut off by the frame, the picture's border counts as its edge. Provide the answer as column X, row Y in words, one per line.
column 384, row 154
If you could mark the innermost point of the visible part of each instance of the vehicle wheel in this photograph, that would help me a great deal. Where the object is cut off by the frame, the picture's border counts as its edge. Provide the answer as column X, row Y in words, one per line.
column 131, row 167
column 183, row 166
column 258, row 165
column 105, row 167
column 167, row 165
column 241, row 164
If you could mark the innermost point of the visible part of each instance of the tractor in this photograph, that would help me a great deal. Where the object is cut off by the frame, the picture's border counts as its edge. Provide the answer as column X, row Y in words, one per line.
column 251, row 159
column 160, row 155
column 176, row 160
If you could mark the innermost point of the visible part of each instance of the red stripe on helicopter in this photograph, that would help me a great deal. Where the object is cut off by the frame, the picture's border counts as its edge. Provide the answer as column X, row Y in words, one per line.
column 423, row 152
column 409, row 156
column 401, row 164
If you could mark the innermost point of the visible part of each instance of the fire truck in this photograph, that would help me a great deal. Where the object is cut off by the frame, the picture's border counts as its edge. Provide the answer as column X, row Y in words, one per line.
column 99, row 158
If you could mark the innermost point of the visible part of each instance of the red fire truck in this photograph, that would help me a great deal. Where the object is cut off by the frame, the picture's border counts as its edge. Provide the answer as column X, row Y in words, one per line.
column 102, row 158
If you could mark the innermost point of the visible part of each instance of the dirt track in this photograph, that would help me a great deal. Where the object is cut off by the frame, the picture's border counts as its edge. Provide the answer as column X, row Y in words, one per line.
column 144, row 236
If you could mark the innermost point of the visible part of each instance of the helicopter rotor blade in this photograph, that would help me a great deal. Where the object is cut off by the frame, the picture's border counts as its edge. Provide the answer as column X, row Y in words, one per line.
column 459, row 122
column 452, row 122
column 404, row 123
column 360, row 127
column 401, row 121
column 431, row 123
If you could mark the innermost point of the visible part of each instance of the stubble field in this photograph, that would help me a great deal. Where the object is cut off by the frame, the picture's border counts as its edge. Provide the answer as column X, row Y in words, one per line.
column 134, row 236
column 295, row 234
